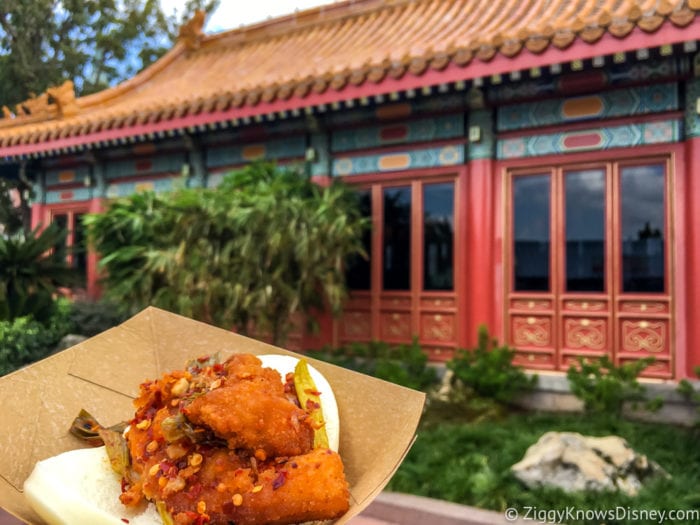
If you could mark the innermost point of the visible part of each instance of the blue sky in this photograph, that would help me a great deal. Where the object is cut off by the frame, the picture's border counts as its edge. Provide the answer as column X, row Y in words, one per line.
column 233, row 13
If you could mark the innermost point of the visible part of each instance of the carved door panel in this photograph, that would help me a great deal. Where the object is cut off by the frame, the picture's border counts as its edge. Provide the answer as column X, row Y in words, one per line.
column 589, row 265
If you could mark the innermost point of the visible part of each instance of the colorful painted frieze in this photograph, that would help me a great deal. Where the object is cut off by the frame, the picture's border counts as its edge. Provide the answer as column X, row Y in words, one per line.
column 613, row 74
column 171, row 163
column 396, row 161
column 618, row 103
column 233, row 155
column 422, row 130
column 666, row 131
column 423, row 105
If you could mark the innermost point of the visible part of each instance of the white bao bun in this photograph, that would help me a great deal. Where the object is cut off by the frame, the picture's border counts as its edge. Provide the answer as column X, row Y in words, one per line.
column 79, row 487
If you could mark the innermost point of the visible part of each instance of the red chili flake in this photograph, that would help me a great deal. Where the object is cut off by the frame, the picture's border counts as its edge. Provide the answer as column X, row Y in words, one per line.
column 218, row 368
column 312, row 392
column 125, row 520
column 294, row 464
column 124, row 485
column 169, row 470
column 279, row 480
column 195, row 491
column 312, row 405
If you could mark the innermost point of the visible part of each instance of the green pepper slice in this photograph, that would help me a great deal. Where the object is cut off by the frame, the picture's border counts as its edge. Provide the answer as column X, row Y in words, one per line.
column 310, row 400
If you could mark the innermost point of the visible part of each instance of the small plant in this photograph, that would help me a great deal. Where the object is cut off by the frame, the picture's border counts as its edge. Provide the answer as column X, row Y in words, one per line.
column 404, row 364
column 605, row 388
column 689, row 393
column 488, row 370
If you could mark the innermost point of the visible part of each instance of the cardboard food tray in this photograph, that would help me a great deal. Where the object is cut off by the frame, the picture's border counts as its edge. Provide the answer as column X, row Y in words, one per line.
column 378, row 420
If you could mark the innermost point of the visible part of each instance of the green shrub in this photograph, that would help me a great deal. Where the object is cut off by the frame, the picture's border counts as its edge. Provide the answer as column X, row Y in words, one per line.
column 404, row 364
column 265, row 244
column 488, row 371
column 30, row 272
column 605, row 388
column 688, row 391
column 25, row 340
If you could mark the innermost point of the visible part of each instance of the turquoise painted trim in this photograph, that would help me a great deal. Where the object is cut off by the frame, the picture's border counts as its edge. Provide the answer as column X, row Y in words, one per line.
column 692, row 104
column 397, row 161
column 39, row 189
column 321, row 164
column 661, row 132
column 79, row 195
column 619, row 103
column 288, row 147
column 124, row 189
column 485, row 147
column 423, row 130
column 171, row 163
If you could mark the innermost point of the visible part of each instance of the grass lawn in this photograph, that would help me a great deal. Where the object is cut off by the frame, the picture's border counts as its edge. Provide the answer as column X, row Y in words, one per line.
column 469, row 463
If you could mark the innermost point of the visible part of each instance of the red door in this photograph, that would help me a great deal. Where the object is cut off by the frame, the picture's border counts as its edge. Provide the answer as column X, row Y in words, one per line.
column 407, row 288
column 589, row 264
column 69, row 218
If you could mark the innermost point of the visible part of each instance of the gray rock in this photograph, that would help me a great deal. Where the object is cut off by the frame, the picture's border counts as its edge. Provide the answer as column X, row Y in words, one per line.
column 69, row 340
column 574, row 462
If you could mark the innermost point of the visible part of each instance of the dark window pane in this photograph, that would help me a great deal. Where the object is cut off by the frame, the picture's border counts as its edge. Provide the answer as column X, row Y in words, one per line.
column 585, row 231
column 358, row 268
column 643, row 222
column 531, row 233
column 397, row 239
column 79, row 249
column 62, row 222
column 438, row 236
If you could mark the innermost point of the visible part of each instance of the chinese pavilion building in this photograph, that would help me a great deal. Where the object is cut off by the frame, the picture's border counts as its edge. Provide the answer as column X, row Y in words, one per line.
column 533, row 166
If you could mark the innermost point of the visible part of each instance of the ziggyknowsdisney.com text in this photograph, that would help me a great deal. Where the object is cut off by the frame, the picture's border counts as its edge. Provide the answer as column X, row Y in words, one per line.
column 539, row 515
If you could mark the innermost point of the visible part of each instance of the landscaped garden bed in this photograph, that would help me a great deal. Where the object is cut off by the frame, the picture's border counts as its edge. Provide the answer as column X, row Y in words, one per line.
column 469, row 462
column 473, row 432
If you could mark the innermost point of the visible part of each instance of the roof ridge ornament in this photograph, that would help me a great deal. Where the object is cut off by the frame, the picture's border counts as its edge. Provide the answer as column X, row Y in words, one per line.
column 191, row 33
column 56, row 101
column 64, row 97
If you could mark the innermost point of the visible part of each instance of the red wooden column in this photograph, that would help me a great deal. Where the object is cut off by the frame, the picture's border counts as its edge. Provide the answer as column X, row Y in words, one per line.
column 37, row 214
column 479, row 298
column 37, row 208
column 94, row 291
column 692, row 256
column 691, row 234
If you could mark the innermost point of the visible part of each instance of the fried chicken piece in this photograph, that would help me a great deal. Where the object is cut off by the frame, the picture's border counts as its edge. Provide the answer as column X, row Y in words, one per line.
column 228, row 443
column 304, row 488
column 249, row 416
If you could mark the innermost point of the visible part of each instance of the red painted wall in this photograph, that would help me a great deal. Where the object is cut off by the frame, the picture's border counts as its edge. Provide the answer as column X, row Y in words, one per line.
column 691, row 249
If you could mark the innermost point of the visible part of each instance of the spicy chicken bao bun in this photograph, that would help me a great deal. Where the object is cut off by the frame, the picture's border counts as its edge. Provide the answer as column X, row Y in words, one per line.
column 79, row 487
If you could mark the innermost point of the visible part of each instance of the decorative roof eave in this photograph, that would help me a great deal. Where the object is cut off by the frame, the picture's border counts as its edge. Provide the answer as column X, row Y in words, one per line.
column 440, row 68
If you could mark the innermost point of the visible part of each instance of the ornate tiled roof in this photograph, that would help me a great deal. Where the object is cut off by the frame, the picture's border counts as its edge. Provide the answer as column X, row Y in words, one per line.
column 338, row 52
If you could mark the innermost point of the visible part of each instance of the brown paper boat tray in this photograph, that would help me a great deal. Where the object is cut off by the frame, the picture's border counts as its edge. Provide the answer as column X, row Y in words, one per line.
column 378, row 420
